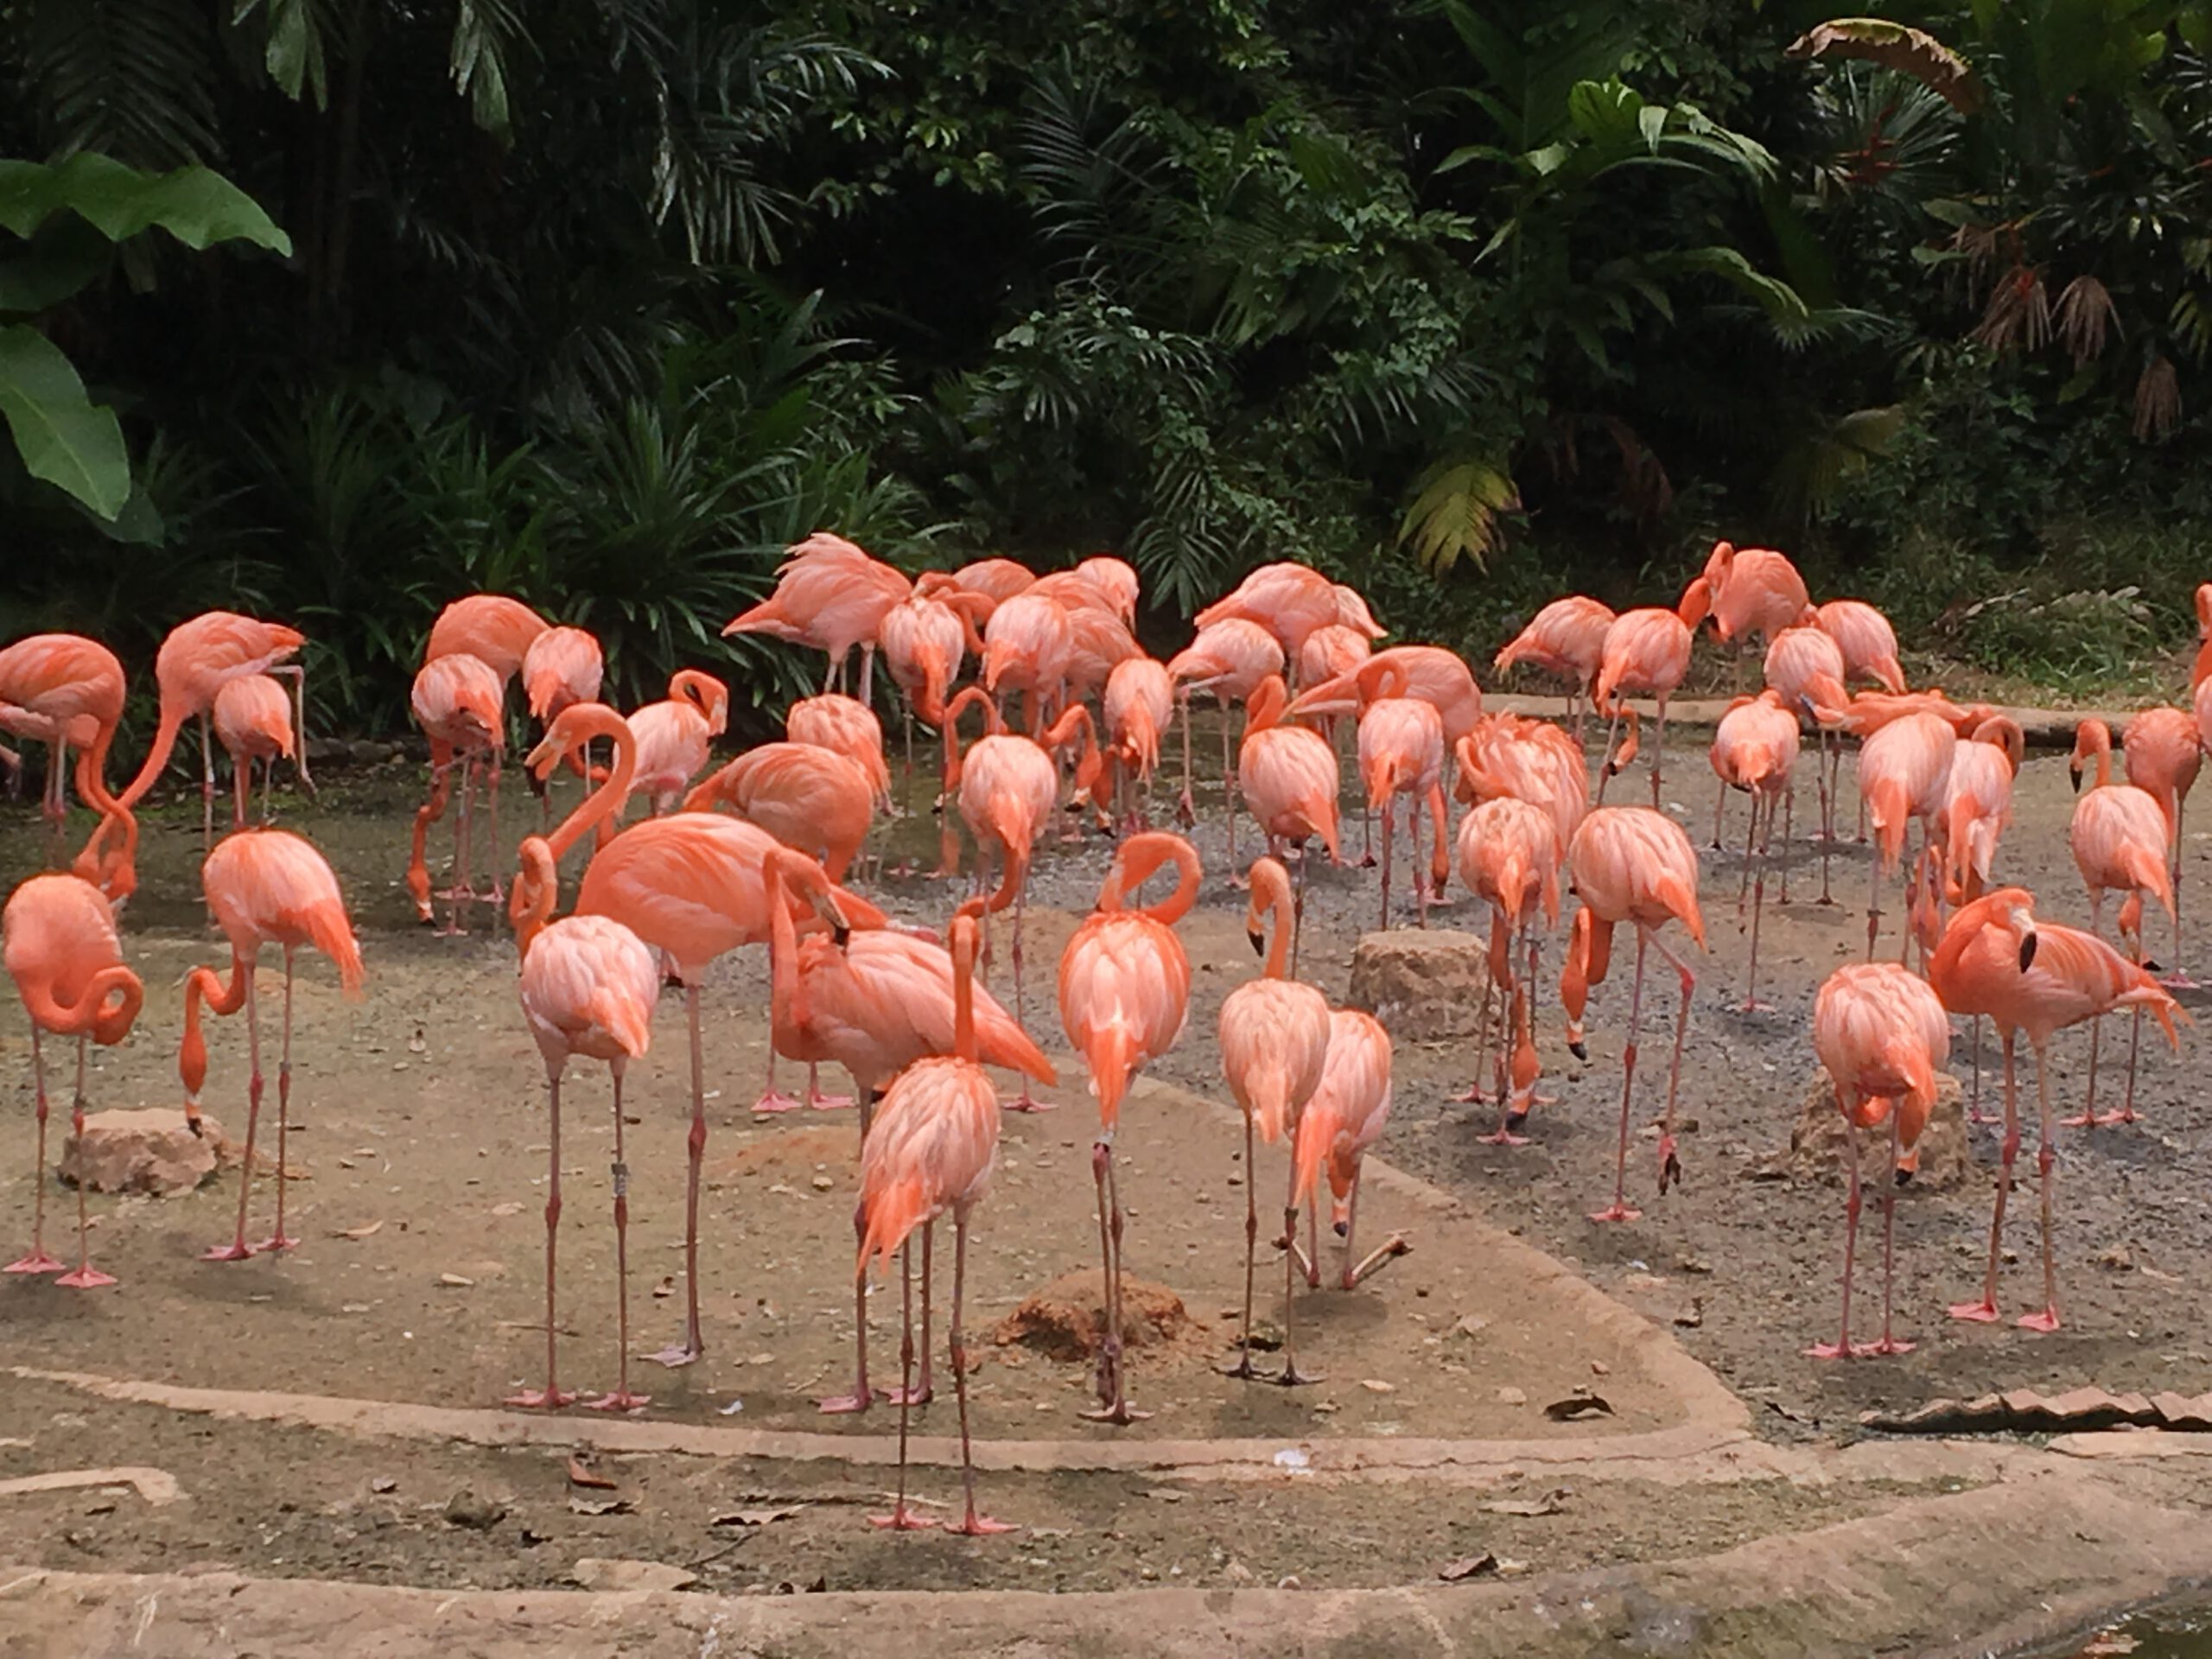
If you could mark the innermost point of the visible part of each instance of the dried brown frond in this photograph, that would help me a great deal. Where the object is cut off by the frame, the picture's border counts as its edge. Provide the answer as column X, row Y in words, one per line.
column 1645, row 489
column 2157, row 400
column 2086, row 318
column 2018, row 313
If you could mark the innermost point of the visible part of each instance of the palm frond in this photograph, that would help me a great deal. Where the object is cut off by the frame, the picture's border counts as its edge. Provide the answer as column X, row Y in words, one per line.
column 131, row 79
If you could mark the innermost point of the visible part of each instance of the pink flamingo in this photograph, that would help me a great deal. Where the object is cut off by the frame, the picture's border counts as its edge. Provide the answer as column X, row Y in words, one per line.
column 1752, row 590
column 810, row 798
column 1568, row 638
column 63, row 690
column 1869, row 644
column 931, row 1151
column 253, row 722
column 830, row 595
column 926, row 642
column 1346, row 1115
column 1996, row 959
column 1288, row 777
column 1904, row 771
column 1631, row 864
column 1509, row 856
column 675, row 736
column 590, row 987
column 1754, row 750
column 1646, row 652
column 1274, row 1046
column 1027, row 646
column 848, row 727
column 560, row 667
column 457, row 700
column 1881, row 1032
column 993, row 581
column 62, row 949
column 2120, row 837
column 1125, row 993
column 1805, row 667
column 873, row 1002
column 2165, row 751
column 1289, row 600
column 1976, row 811
column 193, row 662
column 266, row 887
column 1229, row 659
column 1401, row 750
column 1139, row 702
column 499, row 633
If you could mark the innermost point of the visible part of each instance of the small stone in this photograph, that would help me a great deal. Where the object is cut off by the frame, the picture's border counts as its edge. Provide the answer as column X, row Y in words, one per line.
column 2118, row 1258
column 1377, row 1385
column 383, row 1483
column 148, row 1150
column 1422, row 983
column 598, row 1572
column 821, row 1183
column 1512, row 1396
column 465, row 1508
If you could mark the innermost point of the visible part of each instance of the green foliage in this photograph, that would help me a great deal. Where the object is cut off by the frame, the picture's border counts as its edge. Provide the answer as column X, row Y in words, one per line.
column 602, row 302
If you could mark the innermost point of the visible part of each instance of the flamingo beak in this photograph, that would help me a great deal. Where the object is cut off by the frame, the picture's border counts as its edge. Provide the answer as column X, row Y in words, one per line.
column 1580, row 1050
column 2027, row 952
column 841, row 934
column 2074, row 770
column 1259, row 941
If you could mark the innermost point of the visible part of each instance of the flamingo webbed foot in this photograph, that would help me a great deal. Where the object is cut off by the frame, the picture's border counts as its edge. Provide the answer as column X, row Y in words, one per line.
column 980, row 1526
column 37, row 1262
column 901, row 1520
column 1291, row 1377
column 540, row 1399
column 776, row 1101
column 1980, row 1313
column 86, row 1277
column 237, row 1250
column 275, row 1244
column 2041, row 1319
column 1618, row 1211
column 839, row 1405
column 619, row 1400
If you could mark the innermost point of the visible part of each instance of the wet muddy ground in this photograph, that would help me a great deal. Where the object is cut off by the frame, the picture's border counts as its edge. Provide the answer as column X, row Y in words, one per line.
column 423, row 1147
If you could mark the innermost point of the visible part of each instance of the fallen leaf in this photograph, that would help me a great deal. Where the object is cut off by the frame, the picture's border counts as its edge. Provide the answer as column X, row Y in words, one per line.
column 383, row 1483
column 1577, row 1405
column 1599, row 1368
column 369, row 1229
column 454, row 1281
column 1467, row 1567
column 1375, row 1385
column 666, row 1286
column 600, row 1505
column 1550, row 1503
column 507, row 1209
column 416, row 1045
column 756, row 1517
column 731, row 1409
column 580, row 1476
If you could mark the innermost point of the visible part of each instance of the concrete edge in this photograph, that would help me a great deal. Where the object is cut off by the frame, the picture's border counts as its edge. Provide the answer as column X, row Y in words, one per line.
column 1973, row 1573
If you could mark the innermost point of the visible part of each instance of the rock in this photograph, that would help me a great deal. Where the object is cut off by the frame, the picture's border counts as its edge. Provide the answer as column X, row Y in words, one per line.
column 465, row 1508
column 366, row 752
column 143, row 1151
column 1422, row 983
column 602, row 1573
column 1066, row 1319
column 1817, row 1145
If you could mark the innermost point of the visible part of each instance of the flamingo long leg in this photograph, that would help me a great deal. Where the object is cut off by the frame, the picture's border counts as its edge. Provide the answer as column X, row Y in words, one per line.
column 1619, row 1210
column 1389, row 839
column 901, row 1519
column 278, row 1240
column 2045, row 1318
column 1669, row 1168
column 236, row 1250
column 1242, row 1368
column 1889, row 1344
column 552, row 1395
column 1823, row 774
column 921, row 1390
column 1605, row 762
column 1290, row 1376
column 622, row 1399
column 1719, row 807
column 1751, row 1002
column 207, row 787
column 1658, row 753
column 974, row 1525
column 297, row 674
column 83, row 1275
column 1840, row 1347
column 1228, row 792
column 37, row 1260
column 693, row 1344
column 1985, row 1311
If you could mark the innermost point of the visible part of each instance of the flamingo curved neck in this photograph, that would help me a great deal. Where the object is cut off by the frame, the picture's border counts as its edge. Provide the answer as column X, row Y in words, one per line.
column 604, row 802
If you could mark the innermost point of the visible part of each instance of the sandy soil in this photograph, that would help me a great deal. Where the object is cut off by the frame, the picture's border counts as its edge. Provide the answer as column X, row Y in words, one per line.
column 423, row 1116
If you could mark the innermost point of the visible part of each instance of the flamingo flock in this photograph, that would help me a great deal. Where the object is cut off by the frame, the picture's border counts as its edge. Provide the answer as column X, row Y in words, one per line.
column 769, row 848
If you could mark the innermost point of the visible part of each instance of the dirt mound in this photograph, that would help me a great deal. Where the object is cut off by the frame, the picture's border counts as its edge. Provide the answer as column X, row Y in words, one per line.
column 795, row 1152
column 1817, row 1145
column 1066, row 1319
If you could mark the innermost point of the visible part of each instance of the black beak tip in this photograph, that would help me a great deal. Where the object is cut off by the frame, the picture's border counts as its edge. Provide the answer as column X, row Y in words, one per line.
column 1259, row 941
column 1904, row 1177
column 1514, row 1120
column 2027, row 953
column 1580, row 1050
column 843, row 935
column 2074, row 772
column 1342, row 1231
